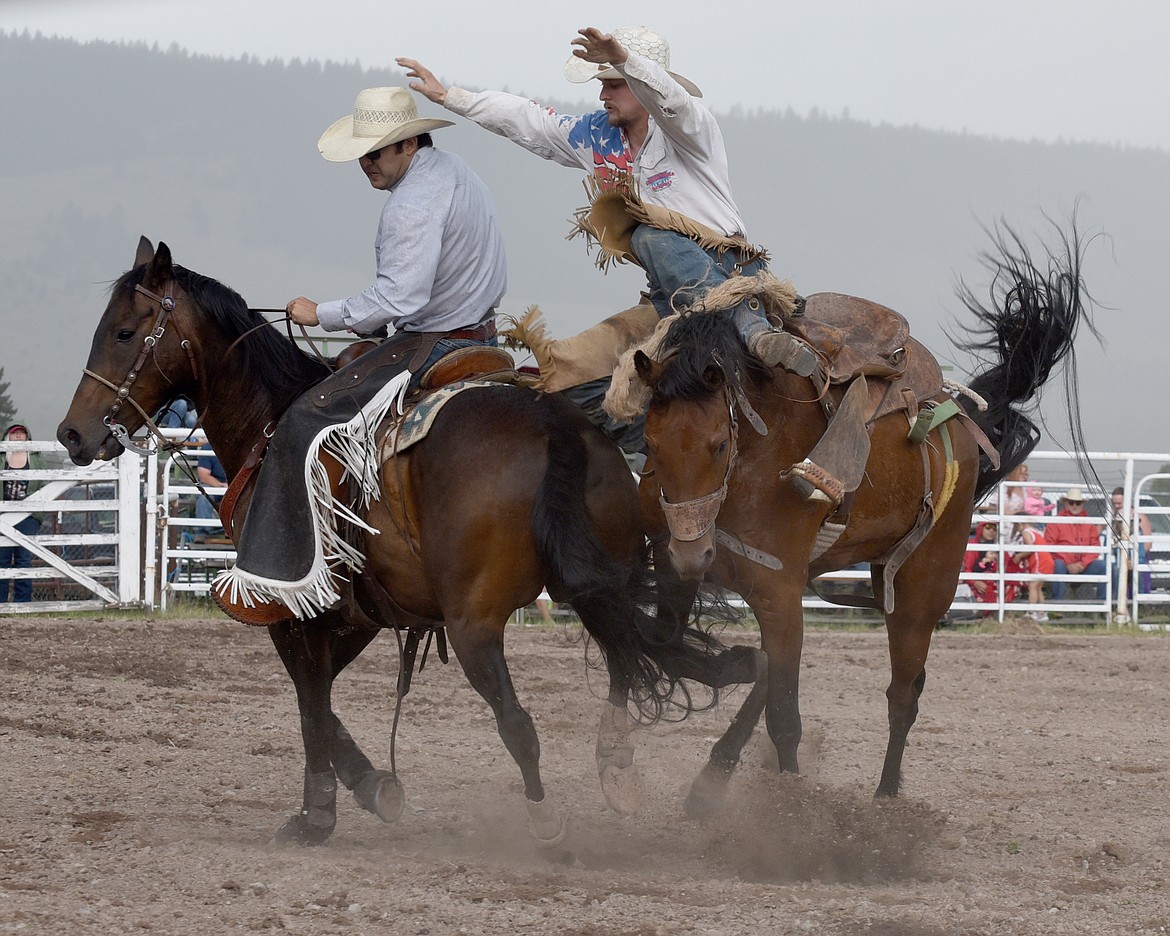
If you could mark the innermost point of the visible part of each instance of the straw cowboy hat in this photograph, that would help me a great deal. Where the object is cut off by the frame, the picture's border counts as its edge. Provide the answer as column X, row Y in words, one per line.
column 1075, row 495
column 381, row 116
column 640, row 39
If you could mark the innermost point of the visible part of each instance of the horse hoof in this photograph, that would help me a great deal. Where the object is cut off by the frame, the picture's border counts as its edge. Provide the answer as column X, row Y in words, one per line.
column 299, row 831
column 381, row 793
column 545, row 825
column 707, row 794
column 622, row 789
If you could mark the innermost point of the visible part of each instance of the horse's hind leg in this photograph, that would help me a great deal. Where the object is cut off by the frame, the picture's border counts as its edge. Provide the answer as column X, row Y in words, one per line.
column 910, row 627
column 480, row 651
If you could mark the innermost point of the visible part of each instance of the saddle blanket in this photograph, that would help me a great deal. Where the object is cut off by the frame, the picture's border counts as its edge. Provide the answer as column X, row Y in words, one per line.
column 413, row 427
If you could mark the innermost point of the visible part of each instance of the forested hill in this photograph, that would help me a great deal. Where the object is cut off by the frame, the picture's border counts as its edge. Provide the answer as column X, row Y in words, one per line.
column 104, row 142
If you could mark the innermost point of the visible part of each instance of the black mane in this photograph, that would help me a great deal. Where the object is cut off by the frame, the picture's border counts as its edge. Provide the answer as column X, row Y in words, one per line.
column 699, row 353
column 277, row 363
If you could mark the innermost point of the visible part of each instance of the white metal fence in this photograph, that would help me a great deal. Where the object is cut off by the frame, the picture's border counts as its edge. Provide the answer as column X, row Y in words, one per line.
column 87, row 550
column 126, row 533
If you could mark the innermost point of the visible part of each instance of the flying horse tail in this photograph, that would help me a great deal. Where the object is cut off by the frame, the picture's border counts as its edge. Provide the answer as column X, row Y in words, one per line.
column 1026, row 332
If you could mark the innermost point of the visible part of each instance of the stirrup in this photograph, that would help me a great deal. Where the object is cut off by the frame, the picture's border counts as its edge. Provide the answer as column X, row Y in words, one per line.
column 814, row 483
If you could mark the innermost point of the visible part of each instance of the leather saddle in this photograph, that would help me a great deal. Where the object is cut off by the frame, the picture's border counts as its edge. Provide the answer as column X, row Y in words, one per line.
column 855, row 337
column 467, row 363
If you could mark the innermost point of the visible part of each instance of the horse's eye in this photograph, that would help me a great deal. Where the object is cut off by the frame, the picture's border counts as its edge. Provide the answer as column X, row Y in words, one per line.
column 722, row 447
column 125, row 335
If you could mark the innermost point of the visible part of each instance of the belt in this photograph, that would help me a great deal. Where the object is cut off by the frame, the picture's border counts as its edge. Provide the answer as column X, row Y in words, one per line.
column 484, row 331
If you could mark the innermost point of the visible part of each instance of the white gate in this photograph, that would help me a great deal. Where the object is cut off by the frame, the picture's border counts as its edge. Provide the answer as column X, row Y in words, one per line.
column 87, row 552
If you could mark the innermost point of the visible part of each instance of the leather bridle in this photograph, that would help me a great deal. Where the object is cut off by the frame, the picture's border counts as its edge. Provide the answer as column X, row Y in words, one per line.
column 166, row 303
column 692, row 519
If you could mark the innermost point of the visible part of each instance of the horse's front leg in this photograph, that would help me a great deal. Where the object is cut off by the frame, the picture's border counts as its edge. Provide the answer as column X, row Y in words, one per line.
column 314, row 653
column 479, row 647
column 781, row 620
column 709, row 789
column 304, row 650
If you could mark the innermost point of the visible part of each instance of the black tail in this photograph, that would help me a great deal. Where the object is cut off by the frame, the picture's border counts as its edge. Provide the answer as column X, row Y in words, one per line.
column 608, row 595
column 1029, row 329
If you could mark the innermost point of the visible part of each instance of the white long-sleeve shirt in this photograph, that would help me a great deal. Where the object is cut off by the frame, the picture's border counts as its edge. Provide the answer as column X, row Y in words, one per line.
column 439, row 252
column 682, row 164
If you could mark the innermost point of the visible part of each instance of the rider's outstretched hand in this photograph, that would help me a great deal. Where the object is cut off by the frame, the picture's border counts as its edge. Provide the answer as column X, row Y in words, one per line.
column 427, row 84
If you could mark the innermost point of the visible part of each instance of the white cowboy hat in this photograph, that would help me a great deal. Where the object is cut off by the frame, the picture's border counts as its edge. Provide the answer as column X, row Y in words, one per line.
column 1075, row 495
column 640, row 39
column 381, row 116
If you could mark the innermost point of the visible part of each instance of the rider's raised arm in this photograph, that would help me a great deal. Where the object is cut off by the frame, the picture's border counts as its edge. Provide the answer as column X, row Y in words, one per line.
column 562, row 138
column 679, row 113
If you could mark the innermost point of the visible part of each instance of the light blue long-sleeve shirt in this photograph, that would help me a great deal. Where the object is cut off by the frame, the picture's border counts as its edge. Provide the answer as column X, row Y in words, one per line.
column 439, row 251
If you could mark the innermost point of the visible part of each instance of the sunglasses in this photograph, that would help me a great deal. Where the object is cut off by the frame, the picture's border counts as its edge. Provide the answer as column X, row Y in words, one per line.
column 1067, row 501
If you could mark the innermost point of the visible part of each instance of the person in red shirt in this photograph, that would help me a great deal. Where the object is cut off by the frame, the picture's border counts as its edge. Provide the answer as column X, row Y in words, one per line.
column 1081, row 542
column 986, row 561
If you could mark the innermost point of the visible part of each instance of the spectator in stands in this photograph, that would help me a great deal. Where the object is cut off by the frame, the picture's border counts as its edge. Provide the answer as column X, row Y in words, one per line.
column 1081, row 540
column 14, row 489
column 1031, row 562
column 211, row 474
column 1122, row 540
column 1013, row 491
column 985, row 562
column 180, row 414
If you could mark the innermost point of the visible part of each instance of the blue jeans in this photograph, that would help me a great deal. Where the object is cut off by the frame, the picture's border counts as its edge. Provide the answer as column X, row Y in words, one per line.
column 179, row 415
column 678, row 268
column 206, row 509
column 1096, row 567
column 17, row 557
column 1145, row 579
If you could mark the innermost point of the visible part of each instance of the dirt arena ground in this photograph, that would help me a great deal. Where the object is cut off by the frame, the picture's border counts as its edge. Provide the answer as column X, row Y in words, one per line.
column 143, row 766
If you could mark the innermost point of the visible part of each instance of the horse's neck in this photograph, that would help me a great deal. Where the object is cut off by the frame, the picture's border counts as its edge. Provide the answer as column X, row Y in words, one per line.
column 789, row 408
column 236, row 418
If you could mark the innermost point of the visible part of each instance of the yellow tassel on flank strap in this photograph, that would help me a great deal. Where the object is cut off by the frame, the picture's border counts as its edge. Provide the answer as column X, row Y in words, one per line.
column 950, row 476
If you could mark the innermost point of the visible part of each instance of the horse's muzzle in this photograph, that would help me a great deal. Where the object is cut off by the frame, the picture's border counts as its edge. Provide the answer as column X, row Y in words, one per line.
column 692, row 559
column 82, row 451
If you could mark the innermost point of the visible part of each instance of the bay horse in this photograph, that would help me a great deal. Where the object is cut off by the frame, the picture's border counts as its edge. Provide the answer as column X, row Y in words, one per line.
column 511, row 491
column 706, row 394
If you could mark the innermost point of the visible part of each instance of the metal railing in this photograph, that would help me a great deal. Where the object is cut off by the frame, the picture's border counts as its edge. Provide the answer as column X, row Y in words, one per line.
column 134, row 538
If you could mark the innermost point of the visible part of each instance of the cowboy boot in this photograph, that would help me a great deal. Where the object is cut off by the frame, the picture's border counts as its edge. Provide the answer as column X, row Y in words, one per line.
column 771, row 345
column 780, row 349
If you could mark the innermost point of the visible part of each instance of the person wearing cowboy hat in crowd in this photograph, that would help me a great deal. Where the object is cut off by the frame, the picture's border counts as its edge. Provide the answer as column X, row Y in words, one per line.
column 653, row 129
column 441, row 273
column 1077, row 539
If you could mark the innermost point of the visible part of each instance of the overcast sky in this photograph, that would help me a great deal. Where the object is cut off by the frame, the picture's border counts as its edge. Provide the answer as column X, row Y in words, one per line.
column 1082, row 70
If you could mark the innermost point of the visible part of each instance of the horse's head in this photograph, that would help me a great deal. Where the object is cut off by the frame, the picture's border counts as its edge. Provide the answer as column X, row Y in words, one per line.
column 692, row 431
column 139, row 360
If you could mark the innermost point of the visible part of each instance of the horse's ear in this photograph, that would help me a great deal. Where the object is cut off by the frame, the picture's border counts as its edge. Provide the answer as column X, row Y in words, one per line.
column 161, row 267
column 714, row 376
column 647, row 369
column 145, row 252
